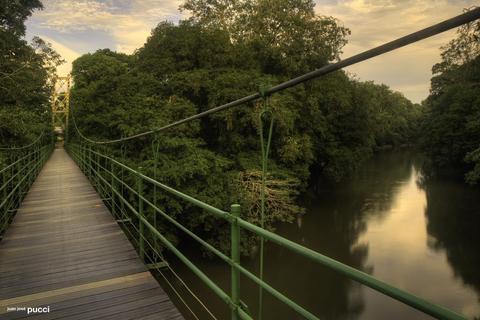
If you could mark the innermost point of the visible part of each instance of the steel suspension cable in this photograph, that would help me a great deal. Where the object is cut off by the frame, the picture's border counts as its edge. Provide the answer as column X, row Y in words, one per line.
column 265, row 143
column 446, row 25
column 26, row 146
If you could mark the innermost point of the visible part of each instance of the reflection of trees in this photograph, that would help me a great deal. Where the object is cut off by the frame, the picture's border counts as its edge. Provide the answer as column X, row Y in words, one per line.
column 335, row 219
column 372, row 188
column 453, row 215
column 320, row 290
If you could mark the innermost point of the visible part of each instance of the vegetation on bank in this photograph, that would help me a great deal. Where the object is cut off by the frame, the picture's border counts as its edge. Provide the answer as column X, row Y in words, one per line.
column 451, row 122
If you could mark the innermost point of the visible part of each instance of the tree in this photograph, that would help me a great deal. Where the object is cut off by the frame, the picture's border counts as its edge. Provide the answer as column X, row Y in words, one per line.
column 25, row 77
column 451, row 126
column 14, row 13
column 287, row 37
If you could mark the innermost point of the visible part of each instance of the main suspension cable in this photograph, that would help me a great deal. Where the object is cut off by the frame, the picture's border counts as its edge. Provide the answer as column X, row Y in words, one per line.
column 26, row 146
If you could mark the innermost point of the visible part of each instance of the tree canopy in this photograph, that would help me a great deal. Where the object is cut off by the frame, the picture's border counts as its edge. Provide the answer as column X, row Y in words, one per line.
column 26, row 73
column 323, row 129
column 451, row 124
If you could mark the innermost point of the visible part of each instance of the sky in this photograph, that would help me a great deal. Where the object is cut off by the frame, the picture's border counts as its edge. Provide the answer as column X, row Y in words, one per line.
column 75, row 27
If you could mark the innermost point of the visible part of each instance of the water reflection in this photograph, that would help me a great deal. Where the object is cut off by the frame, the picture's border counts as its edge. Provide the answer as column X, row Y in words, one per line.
column 453, row 222
column 422, row 237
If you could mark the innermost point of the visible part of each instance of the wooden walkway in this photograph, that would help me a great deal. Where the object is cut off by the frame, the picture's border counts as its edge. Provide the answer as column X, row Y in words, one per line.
column 65, row 251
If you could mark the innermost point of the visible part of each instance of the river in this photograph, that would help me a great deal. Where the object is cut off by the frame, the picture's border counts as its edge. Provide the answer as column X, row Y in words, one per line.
column 423, row 237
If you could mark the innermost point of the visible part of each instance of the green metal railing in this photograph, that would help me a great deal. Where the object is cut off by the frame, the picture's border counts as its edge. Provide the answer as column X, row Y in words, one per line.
column 106, row 175
column 22, row 165
column 124, row 191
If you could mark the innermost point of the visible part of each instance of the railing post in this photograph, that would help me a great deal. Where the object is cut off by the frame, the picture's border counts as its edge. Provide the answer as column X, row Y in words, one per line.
column 96, row 164
column 141, row 242
column 19, row 183
column 4, row 209
column 112, row 186
column 84, row 159
column 122, row 178
column 90, row 163
column 235, row 256
column 12, row 185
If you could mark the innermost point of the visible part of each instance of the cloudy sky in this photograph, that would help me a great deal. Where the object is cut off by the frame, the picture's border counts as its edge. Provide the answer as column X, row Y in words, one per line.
column 75, row 27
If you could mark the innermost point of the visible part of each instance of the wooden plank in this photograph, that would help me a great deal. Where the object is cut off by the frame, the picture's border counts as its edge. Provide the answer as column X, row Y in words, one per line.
column 61, row 253
column 52, row 238
column 63, row 274
column 120, row 308
column 62, row 291
column 31, row 288
column 65, row 250
column 62, row 257
column 85, row 297
column 66, row 267
column 105, row 304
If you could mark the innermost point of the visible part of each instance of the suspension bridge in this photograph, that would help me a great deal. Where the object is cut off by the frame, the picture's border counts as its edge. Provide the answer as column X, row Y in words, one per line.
column 77, row 242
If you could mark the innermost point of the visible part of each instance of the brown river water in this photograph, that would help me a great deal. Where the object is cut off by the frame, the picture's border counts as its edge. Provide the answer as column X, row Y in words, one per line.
column 423, row 237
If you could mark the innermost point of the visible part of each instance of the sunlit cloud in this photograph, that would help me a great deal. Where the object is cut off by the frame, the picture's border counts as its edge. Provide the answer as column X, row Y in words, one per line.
column 374, row 22
column 129, row 22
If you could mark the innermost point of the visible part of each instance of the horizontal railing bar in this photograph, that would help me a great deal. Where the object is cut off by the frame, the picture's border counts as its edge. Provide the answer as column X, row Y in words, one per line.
column 352, row 273
column 177, row 224
column 219, row 254
column 12, row 192
column 26, row 146
column 203, row 205
column 17, row 173
column 171, row 247
column 12, row 200
column 295, row 306
column 173, row 221
column 16, row 161
column 387, row 47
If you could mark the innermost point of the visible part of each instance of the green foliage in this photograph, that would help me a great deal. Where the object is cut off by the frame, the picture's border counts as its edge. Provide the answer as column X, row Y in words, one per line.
column 473, row 176
column 459, row 51
column 451, row 125
column 26, row 72
column 394, row 118
column 285, row 37
column 227, row 50
column 14, row 13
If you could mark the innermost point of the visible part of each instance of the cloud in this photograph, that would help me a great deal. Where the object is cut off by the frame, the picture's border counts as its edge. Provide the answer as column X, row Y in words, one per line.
column 129, row 22
column 374, row 22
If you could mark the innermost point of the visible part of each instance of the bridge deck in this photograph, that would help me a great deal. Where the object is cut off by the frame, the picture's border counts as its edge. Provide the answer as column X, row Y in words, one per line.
column 64, row 250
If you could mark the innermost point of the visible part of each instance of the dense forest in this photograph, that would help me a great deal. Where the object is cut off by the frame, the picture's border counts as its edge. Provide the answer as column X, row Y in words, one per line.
column 27, row 71
column 323, row 129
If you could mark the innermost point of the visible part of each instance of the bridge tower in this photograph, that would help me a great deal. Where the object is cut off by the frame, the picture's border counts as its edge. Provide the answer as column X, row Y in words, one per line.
column 61, row 104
